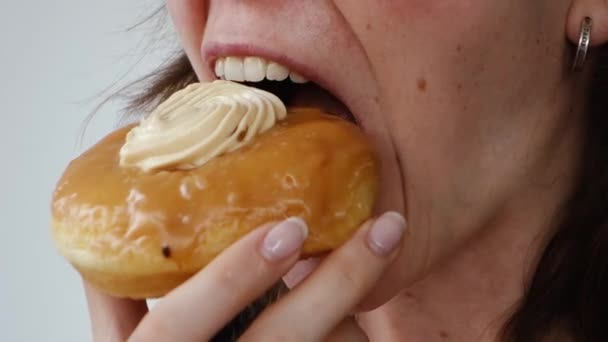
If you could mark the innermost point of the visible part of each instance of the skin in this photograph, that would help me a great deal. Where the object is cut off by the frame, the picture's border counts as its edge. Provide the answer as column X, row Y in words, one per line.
column 477, row 120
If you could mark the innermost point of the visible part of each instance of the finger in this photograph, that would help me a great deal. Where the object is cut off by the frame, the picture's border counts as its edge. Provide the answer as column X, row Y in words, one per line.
column 335, row 288
column 112, row 319
column 300, row 271
column 200, row 307
column 348, row 330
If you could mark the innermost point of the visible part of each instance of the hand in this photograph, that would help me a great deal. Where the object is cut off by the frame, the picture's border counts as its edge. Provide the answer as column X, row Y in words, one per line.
column 319, row 308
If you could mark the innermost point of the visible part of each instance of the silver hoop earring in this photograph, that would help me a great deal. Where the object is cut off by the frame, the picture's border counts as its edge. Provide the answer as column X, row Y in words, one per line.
column 583, row 45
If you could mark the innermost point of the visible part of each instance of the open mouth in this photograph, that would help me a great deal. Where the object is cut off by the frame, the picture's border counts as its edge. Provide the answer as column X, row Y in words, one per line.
column 292, row 88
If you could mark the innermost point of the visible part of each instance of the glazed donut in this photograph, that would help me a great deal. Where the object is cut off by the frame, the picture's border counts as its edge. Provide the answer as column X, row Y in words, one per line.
column 149, row 205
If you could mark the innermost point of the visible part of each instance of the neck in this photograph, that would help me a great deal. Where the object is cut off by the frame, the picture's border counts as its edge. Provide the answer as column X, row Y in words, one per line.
column 470, row 297
column 467, row 298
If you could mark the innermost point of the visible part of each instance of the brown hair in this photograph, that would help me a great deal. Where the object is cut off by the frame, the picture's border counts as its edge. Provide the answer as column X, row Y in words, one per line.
column 569, row 289
column 568, row 292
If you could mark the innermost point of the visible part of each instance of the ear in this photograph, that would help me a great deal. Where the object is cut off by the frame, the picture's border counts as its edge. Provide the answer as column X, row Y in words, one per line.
column 597, row 10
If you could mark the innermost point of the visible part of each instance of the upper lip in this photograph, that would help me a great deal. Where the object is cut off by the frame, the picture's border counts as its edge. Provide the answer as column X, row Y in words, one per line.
column 214, row 50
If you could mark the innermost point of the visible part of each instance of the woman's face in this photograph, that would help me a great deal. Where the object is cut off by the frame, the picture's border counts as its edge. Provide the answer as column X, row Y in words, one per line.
column 459, row 96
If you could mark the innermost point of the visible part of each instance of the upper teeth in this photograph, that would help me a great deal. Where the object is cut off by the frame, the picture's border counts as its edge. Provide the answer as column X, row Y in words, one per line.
column 254, row 69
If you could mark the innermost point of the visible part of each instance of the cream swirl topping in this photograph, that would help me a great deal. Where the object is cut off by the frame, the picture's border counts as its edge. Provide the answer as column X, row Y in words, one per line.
column 199, row 123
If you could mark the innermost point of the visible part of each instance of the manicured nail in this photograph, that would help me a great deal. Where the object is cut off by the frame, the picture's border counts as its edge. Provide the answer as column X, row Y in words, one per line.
column 386, row 233
column 284, row 239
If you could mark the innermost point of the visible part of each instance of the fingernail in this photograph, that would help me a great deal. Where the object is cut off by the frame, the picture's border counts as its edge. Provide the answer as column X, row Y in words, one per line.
column 284, row 239
column 386, row 233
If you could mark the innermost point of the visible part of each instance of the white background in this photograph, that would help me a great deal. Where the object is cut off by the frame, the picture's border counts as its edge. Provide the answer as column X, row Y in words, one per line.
column 55, row 59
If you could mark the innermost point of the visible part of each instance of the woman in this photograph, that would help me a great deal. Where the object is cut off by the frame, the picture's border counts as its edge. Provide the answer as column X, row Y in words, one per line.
column 494, row 146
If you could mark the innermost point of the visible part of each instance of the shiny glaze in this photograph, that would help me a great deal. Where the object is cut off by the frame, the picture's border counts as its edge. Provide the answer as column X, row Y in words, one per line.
column 310, row 165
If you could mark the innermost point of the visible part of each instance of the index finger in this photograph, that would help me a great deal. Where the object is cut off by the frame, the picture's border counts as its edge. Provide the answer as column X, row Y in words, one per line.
column 112, row 319
column 206, row 302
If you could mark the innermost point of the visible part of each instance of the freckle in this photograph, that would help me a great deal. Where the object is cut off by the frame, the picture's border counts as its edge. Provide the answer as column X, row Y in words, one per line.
column 459, row 86
column 444, row 335
column 166, row 251
column 368, row 26
column 459, row 48
column 422, row 85
column 537, row 41
column 376, row 99
column 408, row 294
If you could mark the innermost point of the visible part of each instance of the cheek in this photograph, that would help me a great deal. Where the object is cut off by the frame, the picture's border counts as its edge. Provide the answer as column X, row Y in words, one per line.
column 189, row 18
column 434, row 60
column 418, row 8
column 368, row 18
column 408, row 41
